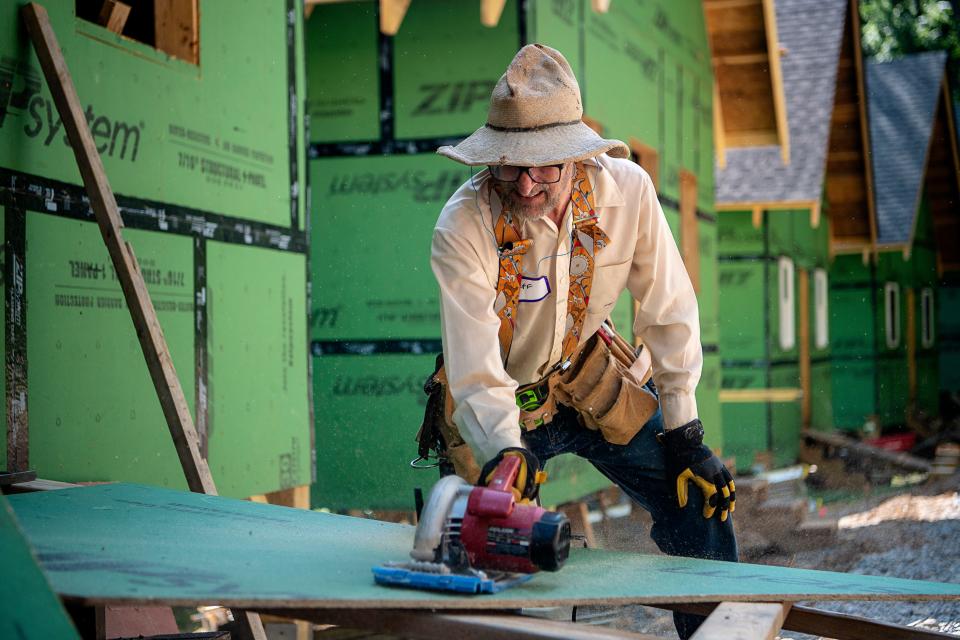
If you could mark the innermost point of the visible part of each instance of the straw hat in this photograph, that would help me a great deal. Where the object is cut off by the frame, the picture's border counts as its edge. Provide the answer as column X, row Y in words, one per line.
column 535, row 118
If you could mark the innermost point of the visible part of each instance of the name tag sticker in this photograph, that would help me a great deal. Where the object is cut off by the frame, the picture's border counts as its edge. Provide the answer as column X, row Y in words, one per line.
column 534, row 289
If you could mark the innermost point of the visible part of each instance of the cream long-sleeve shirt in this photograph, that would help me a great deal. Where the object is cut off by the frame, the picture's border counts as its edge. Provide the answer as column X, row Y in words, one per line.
column 642, row 257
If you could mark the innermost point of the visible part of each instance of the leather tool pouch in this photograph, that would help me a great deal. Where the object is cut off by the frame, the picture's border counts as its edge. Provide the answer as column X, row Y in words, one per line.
column 439, row 433
column 607, row 394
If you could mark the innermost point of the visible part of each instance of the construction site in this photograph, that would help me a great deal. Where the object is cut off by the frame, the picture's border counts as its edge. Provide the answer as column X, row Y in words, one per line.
column 267, row 377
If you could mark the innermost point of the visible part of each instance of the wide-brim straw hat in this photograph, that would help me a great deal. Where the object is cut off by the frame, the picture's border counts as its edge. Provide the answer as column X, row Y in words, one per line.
column 535, row 118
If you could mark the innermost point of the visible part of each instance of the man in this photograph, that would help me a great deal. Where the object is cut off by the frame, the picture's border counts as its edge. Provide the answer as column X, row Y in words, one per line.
column 531, row 256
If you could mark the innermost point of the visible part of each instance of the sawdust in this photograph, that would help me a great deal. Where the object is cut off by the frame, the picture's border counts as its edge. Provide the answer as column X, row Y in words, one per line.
column 907, row 507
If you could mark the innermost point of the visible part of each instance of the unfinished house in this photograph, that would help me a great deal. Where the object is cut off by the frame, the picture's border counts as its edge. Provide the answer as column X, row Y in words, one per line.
column 197, row 118
column 379, row 107
column 776, row 213
column 885, row 297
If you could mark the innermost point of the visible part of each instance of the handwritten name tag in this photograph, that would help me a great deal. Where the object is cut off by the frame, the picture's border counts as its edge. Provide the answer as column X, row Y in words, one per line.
column 534, row 289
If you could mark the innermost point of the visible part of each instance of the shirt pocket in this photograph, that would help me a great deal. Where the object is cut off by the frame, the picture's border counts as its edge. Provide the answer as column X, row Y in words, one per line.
column 609, row 281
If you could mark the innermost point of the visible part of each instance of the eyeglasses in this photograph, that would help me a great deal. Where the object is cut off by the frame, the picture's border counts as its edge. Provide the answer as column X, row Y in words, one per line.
column 541, row 175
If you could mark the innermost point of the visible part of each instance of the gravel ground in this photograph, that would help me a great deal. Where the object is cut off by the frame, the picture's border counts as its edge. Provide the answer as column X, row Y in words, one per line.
column 914, row 534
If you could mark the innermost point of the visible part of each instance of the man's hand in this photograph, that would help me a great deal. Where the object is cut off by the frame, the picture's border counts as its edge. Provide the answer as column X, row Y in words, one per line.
column 527, row 484
column 688, row 459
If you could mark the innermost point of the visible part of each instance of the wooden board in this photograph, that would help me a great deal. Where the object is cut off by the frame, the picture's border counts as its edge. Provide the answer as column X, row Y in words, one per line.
column 28, row 607
column 131, row 544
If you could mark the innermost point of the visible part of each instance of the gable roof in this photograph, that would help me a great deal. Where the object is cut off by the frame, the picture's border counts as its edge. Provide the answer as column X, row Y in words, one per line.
column 811, row 32
column 902, row 98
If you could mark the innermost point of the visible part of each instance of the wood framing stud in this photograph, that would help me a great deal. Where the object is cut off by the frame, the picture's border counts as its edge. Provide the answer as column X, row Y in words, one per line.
column 757, row 217
column 815, row 215
column 391, row 15
column 113, row 15
column 743, row 621
column 719, row 136
column 600, row 6
column 776, row 79
column 490, row 12
column 177, row 28
column 773, row 394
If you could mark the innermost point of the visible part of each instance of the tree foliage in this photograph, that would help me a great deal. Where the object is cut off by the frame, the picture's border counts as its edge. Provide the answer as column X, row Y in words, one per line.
column 893, row 28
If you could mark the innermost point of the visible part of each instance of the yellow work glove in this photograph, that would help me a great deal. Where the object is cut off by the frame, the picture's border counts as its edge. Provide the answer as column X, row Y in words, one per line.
column 526, row 486
column 689, row 460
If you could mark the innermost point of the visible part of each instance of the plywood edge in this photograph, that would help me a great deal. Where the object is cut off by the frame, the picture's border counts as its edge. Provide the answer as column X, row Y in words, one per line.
column 283, row 606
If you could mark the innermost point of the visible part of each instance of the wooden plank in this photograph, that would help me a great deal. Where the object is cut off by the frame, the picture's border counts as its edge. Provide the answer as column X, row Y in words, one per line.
column 129, row 544
column 490, row 12
column 648, row 158
column 154, row 345
column 855, row 447
column 177, row 28
column 600, row 6
column 716, row 5
column 719, row 135
column 767, row 205
column 743, row 621
column 853, row 22
column 392, row 13
column 776, row 79
column 463, row 625
column 803, row 285
column 113, row 15
column 39, row 485
column 773, row 394
column 689, row 232
column 756, row 217
column 838, row 626
column 579, row 516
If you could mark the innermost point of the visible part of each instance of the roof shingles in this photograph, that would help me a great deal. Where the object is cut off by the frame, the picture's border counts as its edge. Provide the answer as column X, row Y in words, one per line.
column 902, row 102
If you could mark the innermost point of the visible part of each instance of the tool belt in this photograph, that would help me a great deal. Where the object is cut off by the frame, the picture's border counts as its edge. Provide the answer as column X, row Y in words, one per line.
column 599, row 384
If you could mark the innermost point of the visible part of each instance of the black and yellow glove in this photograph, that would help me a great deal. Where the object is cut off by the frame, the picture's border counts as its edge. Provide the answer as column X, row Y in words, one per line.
column 529, row 478
column 689, row 460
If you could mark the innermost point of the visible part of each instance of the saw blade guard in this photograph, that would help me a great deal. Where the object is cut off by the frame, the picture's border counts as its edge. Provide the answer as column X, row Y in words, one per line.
column 433, row 518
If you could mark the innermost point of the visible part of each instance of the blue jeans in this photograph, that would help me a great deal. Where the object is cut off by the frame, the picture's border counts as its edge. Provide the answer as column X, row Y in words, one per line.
column 638, row 469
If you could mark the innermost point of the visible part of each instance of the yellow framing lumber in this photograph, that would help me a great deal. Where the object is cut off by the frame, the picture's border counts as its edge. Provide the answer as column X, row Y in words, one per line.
column 776, row 79
column 743, row 621
column 772, row 394
column 490, row 12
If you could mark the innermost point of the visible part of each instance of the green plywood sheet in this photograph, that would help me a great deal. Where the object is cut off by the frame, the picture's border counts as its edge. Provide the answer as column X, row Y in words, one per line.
column 390, row 206
column 741, row 310
column 445, row 66
column 707, row 297
column 853, row 383
column 737, row 235
column 127, row 543
column 259, row 420
column 3, row 337
column 892, row 390
column 852, row 321
column 556, row 23
column 821, row 391
column 928, row 383
column 785, row 417
column 947, row 334
column 342, row 72
column 29, row 610
column 570, row 478
column 212, row 137
column 745, row 424
column 708, row 402
column 94, row 413
column 368, row 410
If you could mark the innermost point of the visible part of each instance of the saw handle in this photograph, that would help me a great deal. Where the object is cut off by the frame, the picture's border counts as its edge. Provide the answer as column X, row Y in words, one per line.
column 506, row 474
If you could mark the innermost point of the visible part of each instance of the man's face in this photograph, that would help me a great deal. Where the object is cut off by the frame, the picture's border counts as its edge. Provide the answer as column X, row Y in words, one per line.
column 528, row 199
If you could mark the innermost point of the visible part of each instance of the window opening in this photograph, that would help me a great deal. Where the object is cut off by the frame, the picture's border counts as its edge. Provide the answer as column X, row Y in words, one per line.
column 891, row 305
column 926, row 317
column 788, row 329
column 172, row 26
column 821, row 325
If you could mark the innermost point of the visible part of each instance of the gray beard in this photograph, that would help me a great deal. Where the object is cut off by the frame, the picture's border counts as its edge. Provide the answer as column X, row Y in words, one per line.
column 513, row 203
